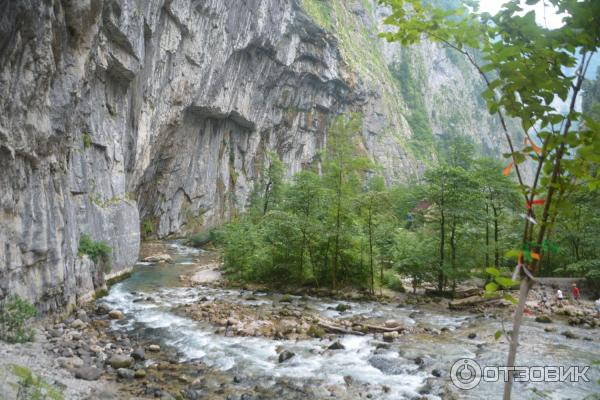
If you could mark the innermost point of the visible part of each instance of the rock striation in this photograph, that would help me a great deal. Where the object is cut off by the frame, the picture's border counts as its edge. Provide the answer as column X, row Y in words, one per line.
column 116, row 114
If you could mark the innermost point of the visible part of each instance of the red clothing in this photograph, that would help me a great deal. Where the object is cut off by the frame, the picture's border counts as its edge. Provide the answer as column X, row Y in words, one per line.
column 576, row 292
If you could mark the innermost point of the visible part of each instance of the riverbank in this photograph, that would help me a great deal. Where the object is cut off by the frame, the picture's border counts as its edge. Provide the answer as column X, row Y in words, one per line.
column 162, row 334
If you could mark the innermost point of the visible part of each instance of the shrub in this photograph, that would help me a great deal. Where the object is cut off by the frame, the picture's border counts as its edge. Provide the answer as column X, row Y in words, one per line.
column 14, row 313
column 87, row 140
column 201, row 239
column 342, row 307
column 391, row 281
column 33, row 387
column 286, row 298
column 99, row 252
column 316, row 331
column 147, row 228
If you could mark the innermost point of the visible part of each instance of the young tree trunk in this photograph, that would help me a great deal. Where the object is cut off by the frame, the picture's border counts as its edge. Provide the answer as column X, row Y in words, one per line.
column 526, row 285
column 496, row 237
column 371, row 252
column 441, row 277
column 487, row 236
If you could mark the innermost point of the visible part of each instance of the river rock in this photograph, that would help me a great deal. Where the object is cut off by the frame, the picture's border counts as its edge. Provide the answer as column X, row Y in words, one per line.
column 570, row 335
column 120, row 361
column 159, row 258
column 82, row 315
column 78, row 324
column 390, row 336
column 70, row 362
column 115, row 314
column 389, row 366
column 337, row 346
column 472, row 335
column 102, row 309
column 285, row 355
column 139, row 354
column 391, row 323
column 125, row 373
column 140, row 373
column 543, row 319
column 87, row 373
column 154, row 348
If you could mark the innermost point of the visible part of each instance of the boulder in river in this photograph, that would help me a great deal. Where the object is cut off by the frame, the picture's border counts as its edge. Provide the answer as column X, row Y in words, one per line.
column 390, row 336
column 569, row 335
column 154, row 348
column 159, row 258
column 115, row 314
column 543, row 319
column 285, row 355
column 337, row 346
column 391, row 323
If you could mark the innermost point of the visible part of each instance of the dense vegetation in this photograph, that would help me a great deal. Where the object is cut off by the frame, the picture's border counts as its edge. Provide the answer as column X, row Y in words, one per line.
column 344, row 227
column 14, row 314
column 97, row 251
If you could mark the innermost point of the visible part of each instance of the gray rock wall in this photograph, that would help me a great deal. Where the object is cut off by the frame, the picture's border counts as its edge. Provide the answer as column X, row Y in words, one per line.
column 114, row 112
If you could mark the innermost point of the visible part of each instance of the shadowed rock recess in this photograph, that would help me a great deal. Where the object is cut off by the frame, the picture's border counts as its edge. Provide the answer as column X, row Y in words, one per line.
column 116, row 113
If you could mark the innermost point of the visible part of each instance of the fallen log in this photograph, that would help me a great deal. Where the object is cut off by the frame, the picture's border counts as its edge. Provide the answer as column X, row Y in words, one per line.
column 339, row 329
column 376, row 328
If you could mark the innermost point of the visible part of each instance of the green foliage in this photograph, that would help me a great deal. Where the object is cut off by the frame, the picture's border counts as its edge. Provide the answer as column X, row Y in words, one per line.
column 316, row 331
column 345, row 228
column 319, row 11
column 99, row 252
column 147, row 228
column 14, row 314
column 32, row 387
column 522, row 65
column 87, row 140
column 412, row 84
column 393, row 282
column 201, row 239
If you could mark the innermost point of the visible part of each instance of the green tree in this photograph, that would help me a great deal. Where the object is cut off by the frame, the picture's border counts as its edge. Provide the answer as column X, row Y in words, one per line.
column 500, row 194
column 342, row 167
column 372, row 207
column 523, row 66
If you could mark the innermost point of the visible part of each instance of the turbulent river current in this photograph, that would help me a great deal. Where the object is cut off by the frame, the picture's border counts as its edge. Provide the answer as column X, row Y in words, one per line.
column 414, row 366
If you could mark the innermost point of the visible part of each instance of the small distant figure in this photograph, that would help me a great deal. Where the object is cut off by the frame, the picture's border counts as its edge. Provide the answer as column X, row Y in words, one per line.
column 559, row 296
column 597, row 308
column 576, row 294
column 544, row 300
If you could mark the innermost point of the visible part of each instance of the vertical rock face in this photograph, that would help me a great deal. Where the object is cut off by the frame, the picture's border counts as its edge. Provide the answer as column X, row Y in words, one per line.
column 116, row 112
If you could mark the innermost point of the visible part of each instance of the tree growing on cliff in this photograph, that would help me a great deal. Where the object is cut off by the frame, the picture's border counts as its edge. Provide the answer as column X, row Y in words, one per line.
column 525, row 67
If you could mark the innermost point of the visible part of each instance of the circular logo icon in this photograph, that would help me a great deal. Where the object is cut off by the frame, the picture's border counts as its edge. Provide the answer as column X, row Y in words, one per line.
column 465, row 374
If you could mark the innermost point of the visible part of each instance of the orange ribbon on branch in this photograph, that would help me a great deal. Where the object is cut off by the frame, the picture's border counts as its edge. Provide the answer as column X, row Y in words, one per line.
column 538, row 202
column 507, row 170
column 533, row 146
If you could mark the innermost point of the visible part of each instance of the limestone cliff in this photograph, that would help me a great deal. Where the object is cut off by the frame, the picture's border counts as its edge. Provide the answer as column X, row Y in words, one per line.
column 114, row 112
